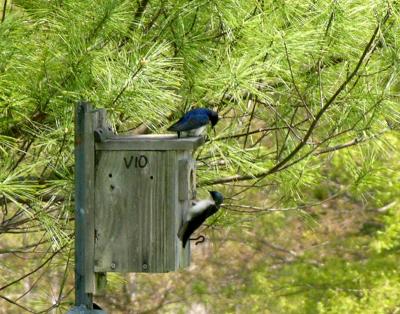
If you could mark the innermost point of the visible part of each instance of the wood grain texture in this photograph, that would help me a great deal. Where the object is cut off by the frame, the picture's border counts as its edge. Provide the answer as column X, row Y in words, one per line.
column 183, row 179
column 84, row 205
column 186, row 181
column 150, row 142
column 101, row 284
column 137, row 211
column 102, row 129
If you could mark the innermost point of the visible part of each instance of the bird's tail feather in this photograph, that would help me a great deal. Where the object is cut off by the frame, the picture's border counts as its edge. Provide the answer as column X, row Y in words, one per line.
column 183, row 234
column 182, row 230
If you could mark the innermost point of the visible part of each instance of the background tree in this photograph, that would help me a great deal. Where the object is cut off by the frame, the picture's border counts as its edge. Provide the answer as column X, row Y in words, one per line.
column 308, row 92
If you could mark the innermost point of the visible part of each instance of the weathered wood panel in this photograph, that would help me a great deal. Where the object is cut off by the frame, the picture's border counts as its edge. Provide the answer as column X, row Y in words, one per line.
column 183, row 179
column 84, row 204
column 186, row 180
column 150, row 142
column 137, row 211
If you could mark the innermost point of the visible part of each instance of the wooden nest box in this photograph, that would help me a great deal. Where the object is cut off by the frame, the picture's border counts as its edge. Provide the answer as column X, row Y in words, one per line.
column 136, row 193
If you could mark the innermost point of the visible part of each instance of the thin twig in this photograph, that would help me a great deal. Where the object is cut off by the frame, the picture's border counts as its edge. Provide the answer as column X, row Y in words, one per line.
column 283, row 163
column 33, row 271
column 123, row 89
column 249, row 122
column 294, row 82
column 3, row 16
column 15, row 303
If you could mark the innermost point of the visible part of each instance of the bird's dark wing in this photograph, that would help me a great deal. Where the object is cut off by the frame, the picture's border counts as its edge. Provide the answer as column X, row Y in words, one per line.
column 96, row 307
column 188, row 123
column 187, row 229
column 182, row 230
column 172, row 127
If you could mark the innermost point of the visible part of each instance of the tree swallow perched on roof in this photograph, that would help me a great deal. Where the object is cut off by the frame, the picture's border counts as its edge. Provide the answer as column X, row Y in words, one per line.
column 197, row 214
column 194, row 122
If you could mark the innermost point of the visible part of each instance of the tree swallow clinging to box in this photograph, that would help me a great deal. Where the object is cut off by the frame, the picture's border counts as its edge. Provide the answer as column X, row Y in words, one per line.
column 194, row 122
column 197, row 214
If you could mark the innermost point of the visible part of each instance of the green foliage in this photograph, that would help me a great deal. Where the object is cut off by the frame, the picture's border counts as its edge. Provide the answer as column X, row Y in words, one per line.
column 388, row 239
column 307, row 92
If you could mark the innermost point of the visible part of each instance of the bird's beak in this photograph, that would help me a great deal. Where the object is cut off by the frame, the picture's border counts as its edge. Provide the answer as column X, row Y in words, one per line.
column 215, row 133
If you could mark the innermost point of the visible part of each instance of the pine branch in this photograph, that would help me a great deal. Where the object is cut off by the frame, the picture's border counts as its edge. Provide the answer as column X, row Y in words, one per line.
column 139, row 12
column 281, row 165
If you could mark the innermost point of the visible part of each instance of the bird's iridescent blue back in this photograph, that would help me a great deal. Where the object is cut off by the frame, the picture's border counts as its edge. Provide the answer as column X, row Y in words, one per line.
column 193, row 119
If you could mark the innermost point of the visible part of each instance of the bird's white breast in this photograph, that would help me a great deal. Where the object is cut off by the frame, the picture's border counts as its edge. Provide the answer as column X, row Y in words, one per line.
column 195, row 132
column 198, row 208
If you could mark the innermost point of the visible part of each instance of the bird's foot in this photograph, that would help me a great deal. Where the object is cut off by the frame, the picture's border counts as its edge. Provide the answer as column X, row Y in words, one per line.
column 199, row 239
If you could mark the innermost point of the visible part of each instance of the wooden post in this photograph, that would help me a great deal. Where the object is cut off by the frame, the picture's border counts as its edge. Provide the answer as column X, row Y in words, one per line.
column 84, row 206
column 102, row 130
column 131, row 193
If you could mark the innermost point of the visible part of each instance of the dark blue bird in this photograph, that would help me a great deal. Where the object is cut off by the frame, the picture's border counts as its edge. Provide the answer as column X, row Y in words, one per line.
column 197, row 214
column 194, row 122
